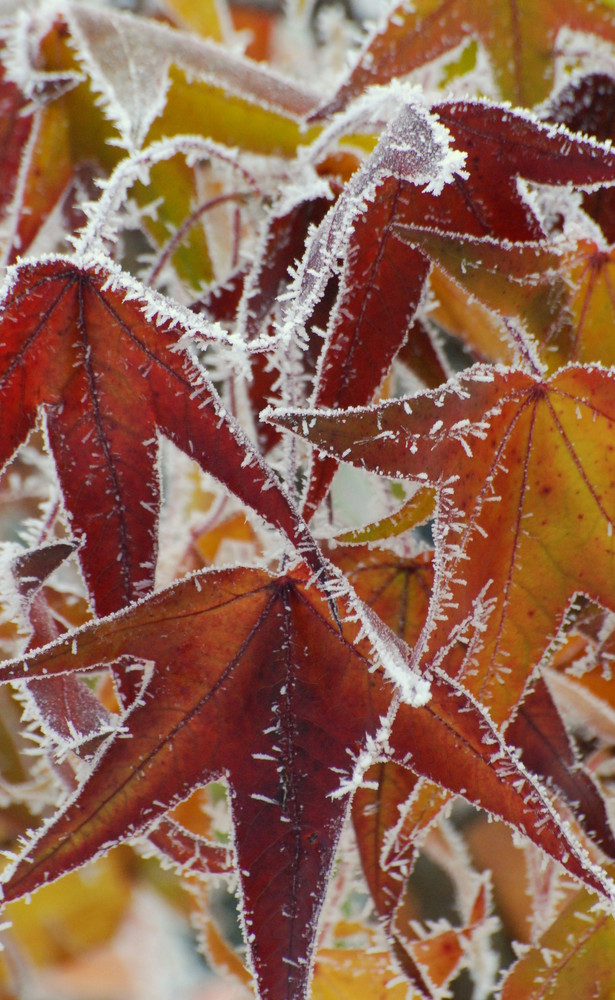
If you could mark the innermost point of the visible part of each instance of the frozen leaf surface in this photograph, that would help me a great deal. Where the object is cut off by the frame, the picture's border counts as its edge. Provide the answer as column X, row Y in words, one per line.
column 128, row 60
column 501, row 146
column 586, row 105
column 476, row 164
column 562, row 293
column 577, row 950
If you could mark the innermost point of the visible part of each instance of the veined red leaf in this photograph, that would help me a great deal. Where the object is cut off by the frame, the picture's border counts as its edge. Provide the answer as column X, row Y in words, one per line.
column 250, row 674
column 253, row 681
column 539, row 732
column 503, row 145
column 78, row 342
column 380, row 283
column 386, row 824
column 368, row 325
column 390, row 812
column 381, row 287
column 454, row 742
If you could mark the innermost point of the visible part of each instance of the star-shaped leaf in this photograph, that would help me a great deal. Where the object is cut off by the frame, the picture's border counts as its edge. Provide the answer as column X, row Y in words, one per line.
column 525, row 474
column 564, row 295
column 80, row 342
column 251, row 677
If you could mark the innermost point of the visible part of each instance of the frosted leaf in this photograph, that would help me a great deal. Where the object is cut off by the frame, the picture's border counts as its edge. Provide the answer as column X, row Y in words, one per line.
column 413, row 148
column 22, row 37
column 157, row 308
column 128, row 71
column 128, row 60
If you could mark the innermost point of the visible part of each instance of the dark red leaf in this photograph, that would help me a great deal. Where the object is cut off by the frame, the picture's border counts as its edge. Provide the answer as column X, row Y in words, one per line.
column 381, row 287
column 503, row 145
column 254, row 680
column 588, row 105
column 453, row 742
column 65, row 705
column 539, row 732
column 108, row 379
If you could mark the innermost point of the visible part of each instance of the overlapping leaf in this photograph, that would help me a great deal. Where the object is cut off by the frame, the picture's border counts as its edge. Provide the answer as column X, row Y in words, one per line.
column 153, row 82
column 393, row 806
column 393, row 809
column 381, row 283
column 563, row 294
column 263, row 680
column 585, row 105
column 251, row 672
column 30, row 138
column 574, row 954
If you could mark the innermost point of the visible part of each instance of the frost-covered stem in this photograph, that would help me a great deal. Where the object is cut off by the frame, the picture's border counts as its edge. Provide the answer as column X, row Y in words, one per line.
column 136, row 168
column 289, row 471
column 169, row 249
column 236, row 238
column 48, row 522
column 525, row 346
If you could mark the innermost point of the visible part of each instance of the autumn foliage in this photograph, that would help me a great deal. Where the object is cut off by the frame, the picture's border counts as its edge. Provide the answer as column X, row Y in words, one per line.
column 308, row 435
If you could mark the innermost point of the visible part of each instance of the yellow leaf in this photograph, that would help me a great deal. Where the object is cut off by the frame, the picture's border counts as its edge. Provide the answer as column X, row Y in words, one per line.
column 575, row 958
column 78, row 912
column 416, row 511
column 207, row 17
column 355, row 974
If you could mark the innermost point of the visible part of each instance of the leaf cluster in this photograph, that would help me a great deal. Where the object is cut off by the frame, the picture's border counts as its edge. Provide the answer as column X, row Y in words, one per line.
column 308, row 409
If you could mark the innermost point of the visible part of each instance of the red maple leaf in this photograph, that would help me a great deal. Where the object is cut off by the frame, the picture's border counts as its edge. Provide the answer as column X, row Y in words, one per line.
column 78, row 343
column 252, row 678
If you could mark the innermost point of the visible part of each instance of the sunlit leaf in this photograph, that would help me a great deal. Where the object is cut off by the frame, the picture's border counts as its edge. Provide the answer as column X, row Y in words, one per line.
column 523, row 469
column 355, row 974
